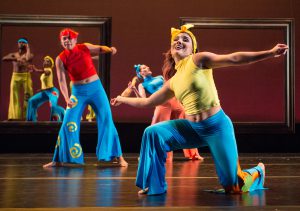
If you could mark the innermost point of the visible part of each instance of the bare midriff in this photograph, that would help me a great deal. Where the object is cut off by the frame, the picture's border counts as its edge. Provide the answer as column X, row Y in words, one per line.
column 203, row 115
column 20, row 66
column 87, row 80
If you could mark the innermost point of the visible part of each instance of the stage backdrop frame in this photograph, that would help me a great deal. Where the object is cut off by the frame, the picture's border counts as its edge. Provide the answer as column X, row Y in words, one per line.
column 103, row 24
column 287, row 26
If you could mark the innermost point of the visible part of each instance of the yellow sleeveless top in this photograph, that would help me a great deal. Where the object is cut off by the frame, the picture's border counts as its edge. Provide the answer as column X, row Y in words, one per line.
column 194, row 87
column 47, row 80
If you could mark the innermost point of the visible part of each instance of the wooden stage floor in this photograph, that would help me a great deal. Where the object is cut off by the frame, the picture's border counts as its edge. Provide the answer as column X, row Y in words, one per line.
column 25, row 185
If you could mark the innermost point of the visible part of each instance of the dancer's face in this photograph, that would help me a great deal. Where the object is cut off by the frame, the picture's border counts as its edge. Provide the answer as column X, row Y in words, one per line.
column 182, row 45
column 67, row 42
column 47, row 63
column 145, row 71
column 22, row 45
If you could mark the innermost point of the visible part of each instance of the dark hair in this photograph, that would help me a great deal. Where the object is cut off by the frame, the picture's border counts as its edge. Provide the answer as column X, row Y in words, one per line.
column 168, row 68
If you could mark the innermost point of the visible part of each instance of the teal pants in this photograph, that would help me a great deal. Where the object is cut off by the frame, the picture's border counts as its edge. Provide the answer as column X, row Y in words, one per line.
column 68, row 148
column 49, row 95
column 216, row 132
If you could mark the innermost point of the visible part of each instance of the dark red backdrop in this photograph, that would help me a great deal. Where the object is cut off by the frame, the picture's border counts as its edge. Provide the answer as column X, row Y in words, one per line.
column 140, row 31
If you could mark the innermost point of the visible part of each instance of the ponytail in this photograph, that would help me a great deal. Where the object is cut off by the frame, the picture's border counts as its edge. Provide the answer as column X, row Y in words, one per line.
column 168, row 68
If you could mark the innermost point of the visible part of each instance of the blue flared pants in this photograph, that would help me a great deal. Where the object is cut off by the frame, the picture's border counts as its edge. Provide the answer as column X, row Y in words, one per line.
column 216, row 132
column 68, row 148
column 56, row 112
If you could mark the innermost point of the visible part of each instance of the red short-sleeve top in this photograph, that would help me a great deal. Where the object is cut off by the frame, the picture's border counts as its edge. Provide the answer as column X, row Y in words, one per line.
column 78, row 62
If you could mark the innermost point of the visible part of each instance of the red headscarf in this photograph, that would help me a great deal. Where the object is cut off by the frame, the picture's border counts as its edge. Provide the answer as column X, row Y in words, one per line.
column 68, row 32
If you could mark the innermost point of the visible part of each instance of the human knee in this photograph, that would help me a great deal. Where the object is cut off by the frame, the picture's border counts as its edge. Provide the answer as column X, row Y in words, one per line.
column 32, row 102
column 153, row 129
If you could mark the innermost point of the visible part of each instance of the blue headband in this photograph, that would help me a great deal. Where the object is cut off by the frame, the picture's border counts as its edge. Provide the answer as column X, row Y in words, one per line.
column 23, row 40
column 137, row 68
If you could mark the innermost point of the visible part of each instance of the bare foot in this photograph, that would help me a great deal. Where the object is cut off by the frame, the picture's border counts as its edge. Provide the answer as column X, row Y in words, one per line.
column 122, row 162
column 262, row 166
column 196, row 157
column 52, row 164
column 143, row 191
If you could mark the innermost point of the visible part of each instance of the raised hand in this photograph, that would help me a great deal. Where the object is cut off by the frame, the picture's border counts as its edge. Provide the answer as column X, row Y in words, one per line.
column 279, row 49
column 113, row 50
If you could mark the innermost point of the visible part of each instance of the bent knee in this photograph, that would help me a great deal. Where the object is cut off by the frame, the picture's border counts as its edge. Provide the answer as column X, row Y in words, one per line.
column 153, row 129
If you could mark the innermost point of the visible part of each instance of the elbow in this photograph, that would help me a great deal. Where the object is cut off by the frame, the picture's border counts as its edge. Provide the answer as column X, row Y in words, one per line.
column 238, row 60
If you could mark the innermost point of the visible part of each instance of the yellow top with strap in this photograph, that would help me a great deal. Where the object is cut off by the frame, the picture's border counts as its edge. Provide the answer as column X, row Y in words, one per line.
column 194, row 87
column 47, row 80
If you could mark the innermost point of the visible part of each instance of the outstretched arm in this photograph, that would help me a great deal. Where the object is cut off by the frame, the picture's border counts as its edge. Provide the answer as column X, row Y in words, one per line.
column 32, row 67
column 211, row 60
column 155, row 99
column 131, row 87
column 98, row 49
column 9, row 57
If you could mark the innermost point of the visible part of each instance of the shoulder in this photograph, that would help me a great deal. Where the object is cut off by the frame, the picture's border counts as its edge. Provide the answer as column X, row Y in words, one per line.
column 203, row 55
column 61, row 56
column 203, row 59
column 83, row 47
column 60, row 60
column 160, row 77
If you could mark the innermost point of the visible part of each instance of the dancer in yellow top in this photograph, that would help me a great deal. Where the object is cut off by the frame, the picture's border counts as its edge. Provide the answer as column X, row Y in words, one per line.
column 205, row 123
column 47, row 93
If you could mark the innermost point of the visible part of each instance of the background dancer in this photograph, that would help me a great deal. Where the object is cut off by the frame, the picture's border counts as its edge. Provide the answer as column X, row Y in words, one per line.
column 171, row 109
column 47, row 93
column 21, row 79
column 205, row 123
column 76, row 60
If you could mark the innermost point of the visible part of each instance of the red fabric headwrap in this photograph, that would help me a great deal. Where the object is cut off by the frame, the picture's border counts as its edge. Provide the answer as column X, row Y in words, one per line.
column 68, row 32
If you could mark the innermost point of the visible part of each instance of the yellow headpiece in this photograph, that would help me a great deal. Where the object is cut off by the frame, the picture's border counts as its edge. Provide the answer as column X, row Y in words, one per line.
column 185, row 29
column 51, row 60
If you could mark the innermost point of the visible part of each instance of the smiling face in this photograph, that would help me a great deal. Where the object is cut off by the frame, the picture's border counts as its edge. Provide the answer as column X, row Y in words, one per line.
column 67, row 42
column 145, row 71
column 182, row 46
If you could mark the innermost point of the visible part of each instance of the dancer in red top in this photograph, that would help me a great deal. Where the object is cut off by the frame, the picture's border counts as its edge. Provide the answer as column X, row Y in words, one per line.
column 76, row 60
